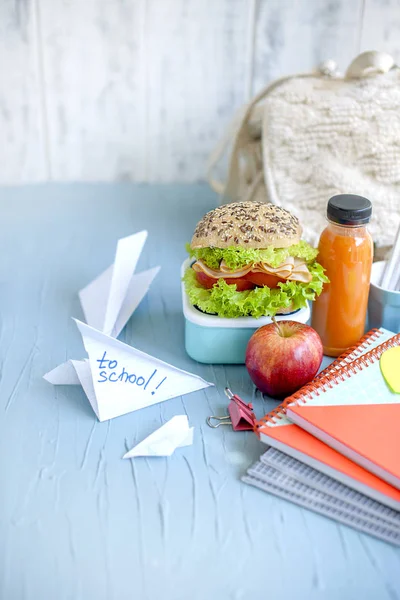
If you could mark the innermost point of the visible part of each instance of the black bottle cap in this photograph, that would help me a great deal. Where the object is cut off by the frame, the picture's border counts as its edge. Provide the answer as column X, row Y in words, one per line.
column 349, row 209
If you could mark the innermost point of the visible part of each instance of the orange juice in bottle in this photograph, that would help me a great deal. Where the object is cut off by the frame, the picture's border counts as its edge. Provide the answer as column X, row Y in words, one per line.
column 345, row 251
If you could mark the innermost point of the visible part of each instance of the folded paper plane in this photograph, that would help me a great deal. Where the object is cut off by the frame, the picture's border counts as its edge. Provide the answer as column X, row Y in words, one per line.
column 109, row 300
column 119, row 379
column 174, row 434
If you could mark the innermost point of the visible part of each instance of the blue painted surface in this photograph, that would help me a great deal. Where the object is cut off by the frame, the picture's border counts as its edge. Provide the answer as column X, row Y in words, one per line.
column 77, row 522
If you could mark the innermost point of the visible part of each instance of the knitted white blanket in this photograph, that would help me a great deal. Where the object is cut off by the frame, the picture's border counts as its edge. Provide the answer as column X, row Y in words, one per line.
column 313, row 137
column 324, row 137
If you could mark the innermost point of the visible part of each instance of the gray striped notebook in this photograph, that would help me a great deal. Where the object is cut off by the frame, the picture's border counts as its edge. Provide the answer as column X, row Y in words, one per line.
column 326, row 499
column 319, row 481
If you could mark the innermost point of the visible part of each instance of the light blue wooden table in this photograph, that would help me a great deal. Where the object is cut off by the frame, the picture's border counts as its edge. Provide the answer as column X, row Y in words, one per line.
column 79, row 523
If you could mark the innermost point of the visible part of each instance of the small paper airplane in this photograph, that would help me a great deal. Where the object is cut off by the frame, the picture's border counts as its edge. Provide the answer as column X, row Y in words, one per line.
column 109, row 301
column 174, row 434
column 119, row 379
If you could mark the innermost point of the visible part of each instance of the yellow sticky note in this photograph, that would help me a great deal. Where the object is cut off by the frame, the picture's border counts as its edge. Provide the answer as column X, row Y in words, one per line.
column 390, row 367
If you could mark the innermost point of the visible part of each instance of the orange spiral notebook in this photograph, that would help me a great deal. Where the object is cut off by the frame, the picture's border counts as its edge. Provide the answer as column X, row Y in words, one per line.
column 276, row 430
column 356, row 413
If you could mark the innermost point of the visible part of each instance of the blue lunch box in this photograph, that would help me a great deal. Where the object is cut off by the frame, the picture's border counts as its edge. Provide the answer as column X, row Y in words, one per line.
column 215, row 340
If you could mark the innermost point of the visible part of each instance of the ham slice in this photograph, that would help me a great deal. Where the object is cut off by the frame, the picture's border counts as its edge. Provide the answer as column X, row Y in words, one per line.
column 281, row 273
column 288, row 263
column 283, row 270
column 225, row 269
column 200, row 266
column 292, row 269
column 300, row 272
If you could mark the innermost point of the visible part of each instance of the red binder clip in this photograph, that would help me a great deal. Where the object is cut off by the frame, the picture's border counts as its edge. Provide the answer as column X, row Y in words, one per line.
column 241, row 415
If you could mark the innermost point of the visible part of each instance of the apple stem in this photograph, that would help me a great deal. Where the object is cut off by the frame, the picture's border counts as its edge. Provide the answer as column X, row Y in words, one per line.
column 275, row 322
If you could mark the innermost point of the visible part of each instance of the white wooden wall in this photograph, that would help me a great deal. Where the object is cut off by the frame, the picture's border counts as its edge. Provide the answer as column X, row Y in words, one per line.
column 142, row 89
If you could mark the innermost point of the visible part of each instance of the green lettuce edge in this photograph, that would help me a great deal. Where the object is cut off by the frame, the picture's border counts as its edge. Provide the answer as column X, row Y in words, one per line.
column 224, row 301
column 236, row 256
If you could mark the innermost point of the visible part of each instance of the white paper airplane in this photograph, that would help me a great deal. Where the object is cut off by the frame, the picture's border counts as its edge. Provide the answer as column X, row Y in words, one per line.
column 119, row 379
column 174, row 434
column 109, row 300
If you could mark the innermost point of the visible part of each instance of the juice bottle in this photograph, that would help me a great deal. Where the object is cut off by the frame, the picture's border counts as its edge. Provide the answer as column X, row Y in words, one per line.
column 345, row 251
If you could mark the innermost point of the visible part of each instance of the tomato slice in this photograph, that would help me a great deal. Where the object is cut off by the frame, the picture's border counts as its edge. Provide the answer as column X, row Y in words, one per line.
column 205, row 280
column 247, row 282
column 241, row 283
column 261, row 279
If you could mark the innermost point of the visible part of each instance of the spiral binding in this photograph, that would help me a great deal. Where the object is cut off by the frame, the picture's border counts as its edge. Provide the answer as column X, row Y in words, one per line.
column 332, row 375
column 351, row 353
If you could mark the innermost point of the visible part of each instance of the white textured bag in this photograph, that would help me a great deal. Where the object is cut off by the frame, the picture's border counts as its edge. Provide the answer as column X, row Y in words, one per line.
column 307, row 137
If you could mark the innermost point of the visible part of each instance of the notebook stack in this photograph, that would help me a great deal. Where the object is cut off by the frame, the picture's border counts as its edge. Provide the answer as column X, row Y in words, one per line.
column 334, row 446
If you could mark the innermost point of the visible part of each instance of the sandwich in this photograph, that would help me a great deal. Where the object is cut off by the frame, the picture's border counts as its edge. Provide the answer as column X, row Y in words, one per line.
column 249, row 260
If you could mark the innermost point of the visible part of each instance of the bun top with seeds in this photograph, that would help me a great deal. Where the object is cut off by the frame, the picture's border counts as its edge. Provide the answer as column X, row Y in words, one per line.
column 248, row 225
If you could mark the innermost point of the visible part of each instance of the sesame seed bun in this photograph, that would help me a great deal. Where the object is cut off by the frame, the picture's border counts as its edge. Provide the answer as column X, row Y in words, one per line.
column 249, row 225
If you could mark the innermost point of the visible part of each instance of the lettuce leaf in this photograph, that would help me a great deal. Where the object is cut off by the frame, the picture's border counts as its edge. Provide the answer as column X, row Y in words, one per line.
column 223, row 299
column 236, row 256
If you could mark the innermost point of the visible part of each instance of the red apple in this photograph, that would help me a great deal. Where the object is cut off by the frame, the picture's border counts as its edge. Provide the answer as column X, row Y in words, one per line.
column 283, row 356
